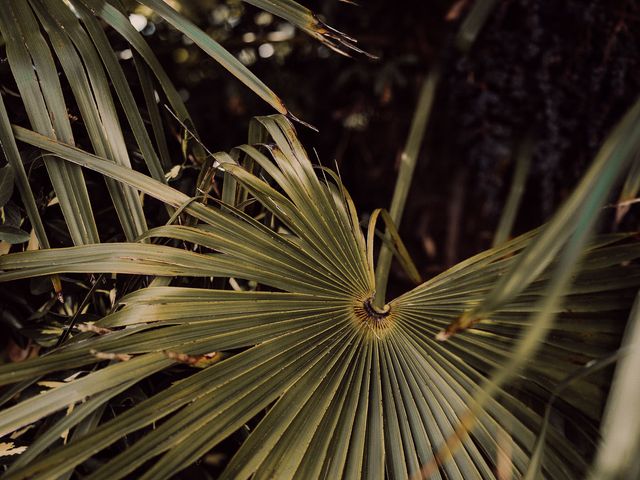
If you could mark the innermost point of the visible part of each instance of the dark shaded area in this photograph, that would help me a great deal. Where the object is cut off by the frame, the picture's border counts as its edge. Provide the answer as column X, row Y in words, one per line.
column 562, row 72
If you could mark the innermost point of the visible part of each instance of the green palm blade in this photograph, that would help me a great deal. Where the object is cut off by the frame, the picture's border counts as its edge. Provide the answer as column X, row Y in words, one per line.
column 335, row 387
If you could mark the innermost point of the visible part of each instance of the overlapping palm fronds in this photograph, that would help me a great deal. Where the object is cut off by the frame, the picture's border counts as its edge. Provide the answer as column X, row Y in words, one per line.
column 39, row 32
column 322, row 380
column 349, row 389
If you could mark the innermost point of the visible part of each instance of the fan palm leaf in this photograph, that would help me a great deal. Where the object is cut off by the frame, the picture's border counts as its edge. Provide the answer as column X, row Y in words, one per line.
column 323, row 380
column 330, row 385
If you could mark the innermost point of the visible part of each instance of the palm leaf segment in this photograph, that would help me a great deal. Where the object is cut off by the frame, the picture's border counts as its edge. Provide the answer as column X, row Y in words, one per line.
column 350, row 390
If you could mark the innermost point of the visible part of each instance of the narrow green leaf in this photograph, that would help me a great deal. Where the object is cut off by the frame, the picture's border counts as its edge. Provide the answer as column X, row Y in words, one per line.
column 473, row 23
column 42, row 94
column 10, row 149
column 6, row 184
column 99, row 115
column 617, row 454
column 408, row 159
column 146, row 84
column 521, row 171
column 120, row 85
column 12, row 234
column 119, row 22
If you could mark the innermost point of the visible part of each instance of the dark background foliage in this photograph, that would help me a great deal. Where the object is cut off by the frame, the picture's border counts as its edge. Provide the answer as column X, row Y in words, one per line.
column 561, row 72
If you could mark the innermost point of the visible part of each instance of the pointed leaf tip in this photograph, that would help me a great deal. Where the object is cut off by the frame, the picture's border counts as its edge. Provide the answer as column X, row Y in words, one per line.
column 295, row 119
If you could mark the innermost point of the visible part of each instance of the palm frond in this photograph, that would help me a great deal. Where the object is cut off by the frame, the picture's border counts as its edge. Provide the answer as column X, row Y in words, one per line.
column 37, row 32
column 349, row 389
column 621, row 425
column 309, row 23
column 45, row 105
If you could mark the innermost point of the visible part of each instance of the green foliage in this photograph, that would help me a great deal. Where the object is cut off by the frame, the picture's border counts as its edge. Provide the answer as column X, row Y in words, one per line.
column 292, row 349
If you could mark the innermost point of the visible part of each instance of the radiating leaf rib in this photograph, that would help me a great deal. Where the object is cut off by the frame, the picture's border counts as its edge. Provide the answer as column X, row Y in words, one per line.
column 353, row 466
column 293, row 445
column 313, row 201
column 194, row 430
column 298, row 252
column 256, row 449
column 338, row 448
column 414, row 404
column 435, row 418
column 289, row 214
column 346, row 202
column 314, row 197
column 374, row 453
column 175, row 305
column 262, row 251
column 141, row 259
column 200, row 385
column 521, row 411
column 469, row 459
column 552, row 357
column 286, row 209
column 203, row 339
column 397, row 436
column 321, row 450
column 525, row 436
